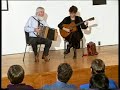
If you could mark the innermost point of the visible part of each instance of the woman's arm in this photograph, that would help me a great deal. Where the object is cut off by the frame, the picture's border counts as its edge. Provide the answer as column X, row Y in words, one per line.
column 60, row 25
column 83, row 26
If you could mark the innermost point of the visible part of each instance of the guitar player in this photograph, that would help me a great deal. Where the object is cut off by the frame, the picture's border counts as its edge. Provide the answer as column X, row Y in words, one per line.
column 74, row 37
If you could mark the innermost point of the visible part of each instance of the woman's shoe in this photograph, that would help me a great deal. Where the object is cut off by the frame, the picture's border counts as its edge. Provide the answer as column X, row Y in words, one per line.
column 75, row 54
column 68, row 49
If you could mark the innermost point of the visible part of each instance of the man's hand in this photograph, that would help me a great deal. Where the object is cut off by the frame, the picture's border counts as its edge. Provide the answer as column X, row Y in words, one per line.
column 66, row 29
column 37, row 30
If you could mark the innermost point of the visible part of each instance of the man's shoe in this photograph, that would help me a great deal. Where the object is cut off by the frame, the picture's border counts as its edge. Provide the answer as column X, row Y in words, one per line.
column 37, row 58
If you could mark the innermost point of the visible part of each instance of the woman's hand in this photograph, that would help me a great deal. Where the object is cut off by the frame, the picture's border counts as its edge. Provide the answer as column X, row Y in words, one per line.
column 66, row 29
column 86, row 23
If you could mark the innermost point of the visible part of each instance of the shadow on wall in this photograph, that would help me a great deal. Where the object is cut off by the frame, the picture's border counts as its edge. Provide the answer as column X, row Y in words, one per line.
column 45, row 16
column 84, row 39
column 56, row 43
column 78, row 13
column 86, row 31
column 90, row 28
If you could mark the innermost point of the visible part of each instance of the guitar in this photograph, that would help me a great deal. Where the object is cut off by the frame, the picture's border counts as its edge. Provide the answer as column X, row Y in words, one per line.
column 72, row 26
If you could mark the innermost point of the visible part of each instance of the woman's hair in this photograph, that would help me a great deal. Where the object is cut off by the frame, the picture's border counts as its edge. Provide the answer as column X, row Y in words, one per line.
column 98, row 66
column 73, row 9
column 99, row 81
column 64, row 72
column 15, row 74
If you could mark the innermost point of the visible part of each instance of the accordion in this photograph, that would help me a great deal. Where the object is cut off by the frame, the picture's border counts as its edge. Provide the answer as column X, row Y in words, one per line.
column 49, row 33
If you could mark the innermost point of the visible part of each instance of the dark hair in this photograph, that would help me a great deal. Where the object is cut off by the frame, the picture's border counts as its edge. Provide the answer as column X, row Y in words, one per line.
column 64, row 72
column 99, row 81
column 98, row 66
column 15, row 74
column 73, row 9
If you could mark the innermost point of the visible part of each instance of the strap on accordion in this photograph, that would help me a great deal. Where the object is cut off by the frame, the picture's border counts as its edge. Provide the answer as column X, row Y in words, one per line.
column 38, row 25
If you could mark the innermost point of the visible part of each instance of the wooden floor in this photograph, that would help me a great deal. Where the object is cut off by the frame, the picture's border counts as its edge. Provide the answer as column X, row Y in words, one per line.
column 109, row 54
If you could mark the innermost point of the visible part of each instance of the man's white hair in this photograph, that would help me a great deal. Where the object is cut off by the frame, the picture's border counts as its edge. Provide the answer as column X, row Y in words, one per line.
column 38, row 9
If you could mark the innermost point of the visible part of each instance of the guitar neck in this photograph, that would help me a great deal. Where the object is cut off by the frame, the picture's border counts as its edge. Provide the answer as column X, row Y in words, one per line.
column 80, row 23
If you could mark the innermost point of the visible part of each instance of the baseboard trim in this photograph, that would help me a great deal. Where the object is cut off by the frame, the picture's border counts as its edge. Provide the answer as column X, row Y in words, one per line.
column 55, row 50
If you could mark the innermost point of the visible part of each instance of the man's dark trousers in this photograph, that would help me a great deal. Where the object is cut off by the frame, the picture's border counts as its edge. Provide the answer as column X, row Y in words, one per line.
column 34, row 41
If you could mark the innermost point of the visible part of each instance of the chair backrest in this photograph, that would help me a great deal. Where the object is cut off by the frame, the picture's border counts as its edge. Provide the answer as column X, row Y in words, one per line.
column 27, row 37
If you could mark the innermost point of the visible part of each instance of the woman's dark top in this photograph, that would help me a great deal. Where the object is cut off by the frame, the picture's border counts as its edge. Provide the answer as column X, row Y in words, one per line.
column 19, row 87
column 74, row 38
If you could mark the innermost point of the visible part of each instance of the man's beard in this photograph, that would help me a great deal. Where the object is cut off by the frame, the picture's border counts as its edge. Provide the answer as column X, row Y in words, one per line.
column 40, row 18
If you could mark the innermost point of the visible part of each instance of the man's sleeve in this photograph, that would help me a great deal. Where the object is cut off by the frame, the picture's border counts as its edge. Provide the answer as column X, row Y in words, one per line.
column 29, row 27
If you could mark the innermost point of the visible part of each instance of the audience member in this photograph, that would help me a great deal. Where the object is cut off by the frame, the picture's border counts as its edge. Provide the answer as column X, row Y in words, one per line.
column 98, row 67
column 16, row 76
column 99, row 81
column 64, row 73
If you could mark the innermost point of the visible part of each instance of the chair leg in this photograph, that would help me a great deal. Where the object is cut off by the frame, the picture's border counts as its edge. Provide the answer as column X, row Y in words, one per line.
column 82, row 49
column 24, row 53
column 64, row 47
column 39, row 49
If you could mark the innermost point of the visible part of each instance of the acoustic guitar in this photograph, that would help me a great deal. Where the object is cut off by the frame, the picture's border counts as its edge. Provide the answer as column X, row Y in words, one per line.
column 72, row 26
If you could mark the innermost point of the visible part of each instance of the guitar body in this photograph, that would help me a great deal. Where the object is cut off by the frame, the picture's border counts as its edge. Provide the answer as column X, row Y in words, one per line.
column 63, row 33
column 72, row 26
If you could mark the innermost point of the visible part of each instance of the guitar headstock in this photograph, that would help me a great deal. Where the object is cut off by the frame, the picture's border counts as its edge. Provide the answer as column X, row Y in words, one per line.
column 90, row 19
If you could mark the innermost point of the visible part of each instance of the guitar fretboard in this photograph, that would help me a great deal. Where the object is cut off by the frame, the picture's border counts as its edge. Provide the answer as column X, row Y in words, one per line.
column 84, row 21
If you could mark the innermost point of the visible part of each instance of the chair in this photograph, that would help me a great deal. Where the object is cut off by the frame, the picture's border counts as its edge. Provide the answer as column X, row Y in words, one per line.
column 65, row 47
column 28, row 44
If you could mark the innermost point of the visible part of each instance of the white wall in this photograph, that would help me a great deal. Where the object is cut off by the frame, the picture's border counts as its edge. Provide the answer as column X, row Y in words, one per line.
column 13, row 21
